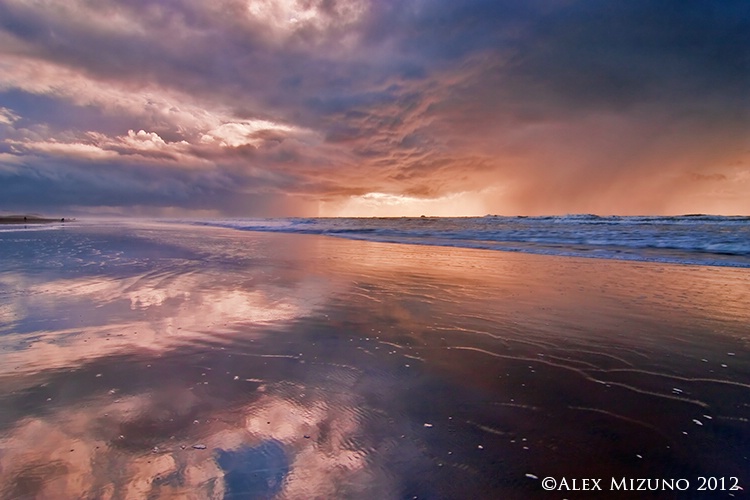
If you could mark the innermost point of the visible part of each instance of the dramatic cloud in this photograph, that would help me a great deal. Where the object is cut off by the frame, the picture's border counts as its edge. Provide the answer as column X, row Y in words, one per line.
column 353, row 107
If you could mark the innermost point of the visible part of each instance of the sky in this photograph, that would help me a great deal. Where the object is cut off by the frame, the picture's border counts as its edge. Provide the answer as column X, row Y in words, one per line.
column 374, row 108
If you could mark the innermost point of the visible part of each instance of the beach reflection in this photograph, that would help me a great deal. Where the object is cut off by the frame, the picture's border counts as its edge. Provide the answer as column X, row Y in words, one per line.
column 171, row 361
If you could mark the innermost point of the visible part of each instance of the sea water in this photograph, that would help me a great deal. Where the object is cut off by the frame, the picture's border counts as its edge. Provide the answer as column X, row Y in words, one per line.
column 686, row 239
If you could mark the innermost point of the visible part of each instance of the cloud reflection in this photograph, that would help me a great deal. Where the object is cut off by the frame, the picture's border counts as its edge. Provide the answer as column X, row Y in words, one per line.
column 131, row 442
column 143, row 312
column 109, row 447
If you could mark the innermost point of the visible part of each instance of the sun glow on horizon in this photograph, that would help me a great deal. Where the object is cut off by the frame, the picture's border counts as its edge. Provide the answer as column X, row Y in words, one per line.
column 463, row 204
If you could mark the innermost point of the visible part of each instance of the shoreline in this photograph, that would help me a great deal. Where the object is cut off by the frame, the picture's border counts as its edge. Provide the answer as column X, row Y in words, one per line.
column 720, row 243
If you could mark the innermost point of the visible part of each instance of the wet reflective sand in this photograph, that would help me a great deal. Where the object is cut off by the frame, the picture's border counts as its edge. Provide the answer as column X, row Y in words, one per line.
column 162, row 361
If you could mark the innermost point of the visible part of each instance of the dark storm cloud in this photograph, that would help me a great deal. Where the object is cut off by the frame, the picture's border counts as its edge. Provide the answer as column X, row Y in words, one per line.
column 79, row 184
column 619, row 54
column 553, row 103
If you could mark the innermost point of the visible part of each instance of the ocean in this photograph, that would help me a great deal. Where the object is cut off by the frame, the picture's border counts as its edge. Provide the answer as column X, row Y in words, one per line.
column 687, row 239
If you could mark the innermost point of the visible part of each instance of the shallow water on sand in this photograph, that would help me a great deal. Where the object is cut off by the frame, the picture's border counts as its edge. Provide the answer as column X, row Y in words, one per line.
column 147, row 361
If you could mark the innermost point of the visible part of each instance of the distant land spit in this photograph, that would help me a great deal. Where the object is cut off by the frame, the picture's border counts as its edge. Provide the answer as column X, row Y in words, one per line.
column 29, row 219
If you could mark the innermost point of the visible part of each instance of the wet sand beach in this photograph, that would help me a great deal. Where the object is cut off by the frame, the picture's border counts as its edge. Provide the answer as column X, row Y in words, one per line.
column 146, row 360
